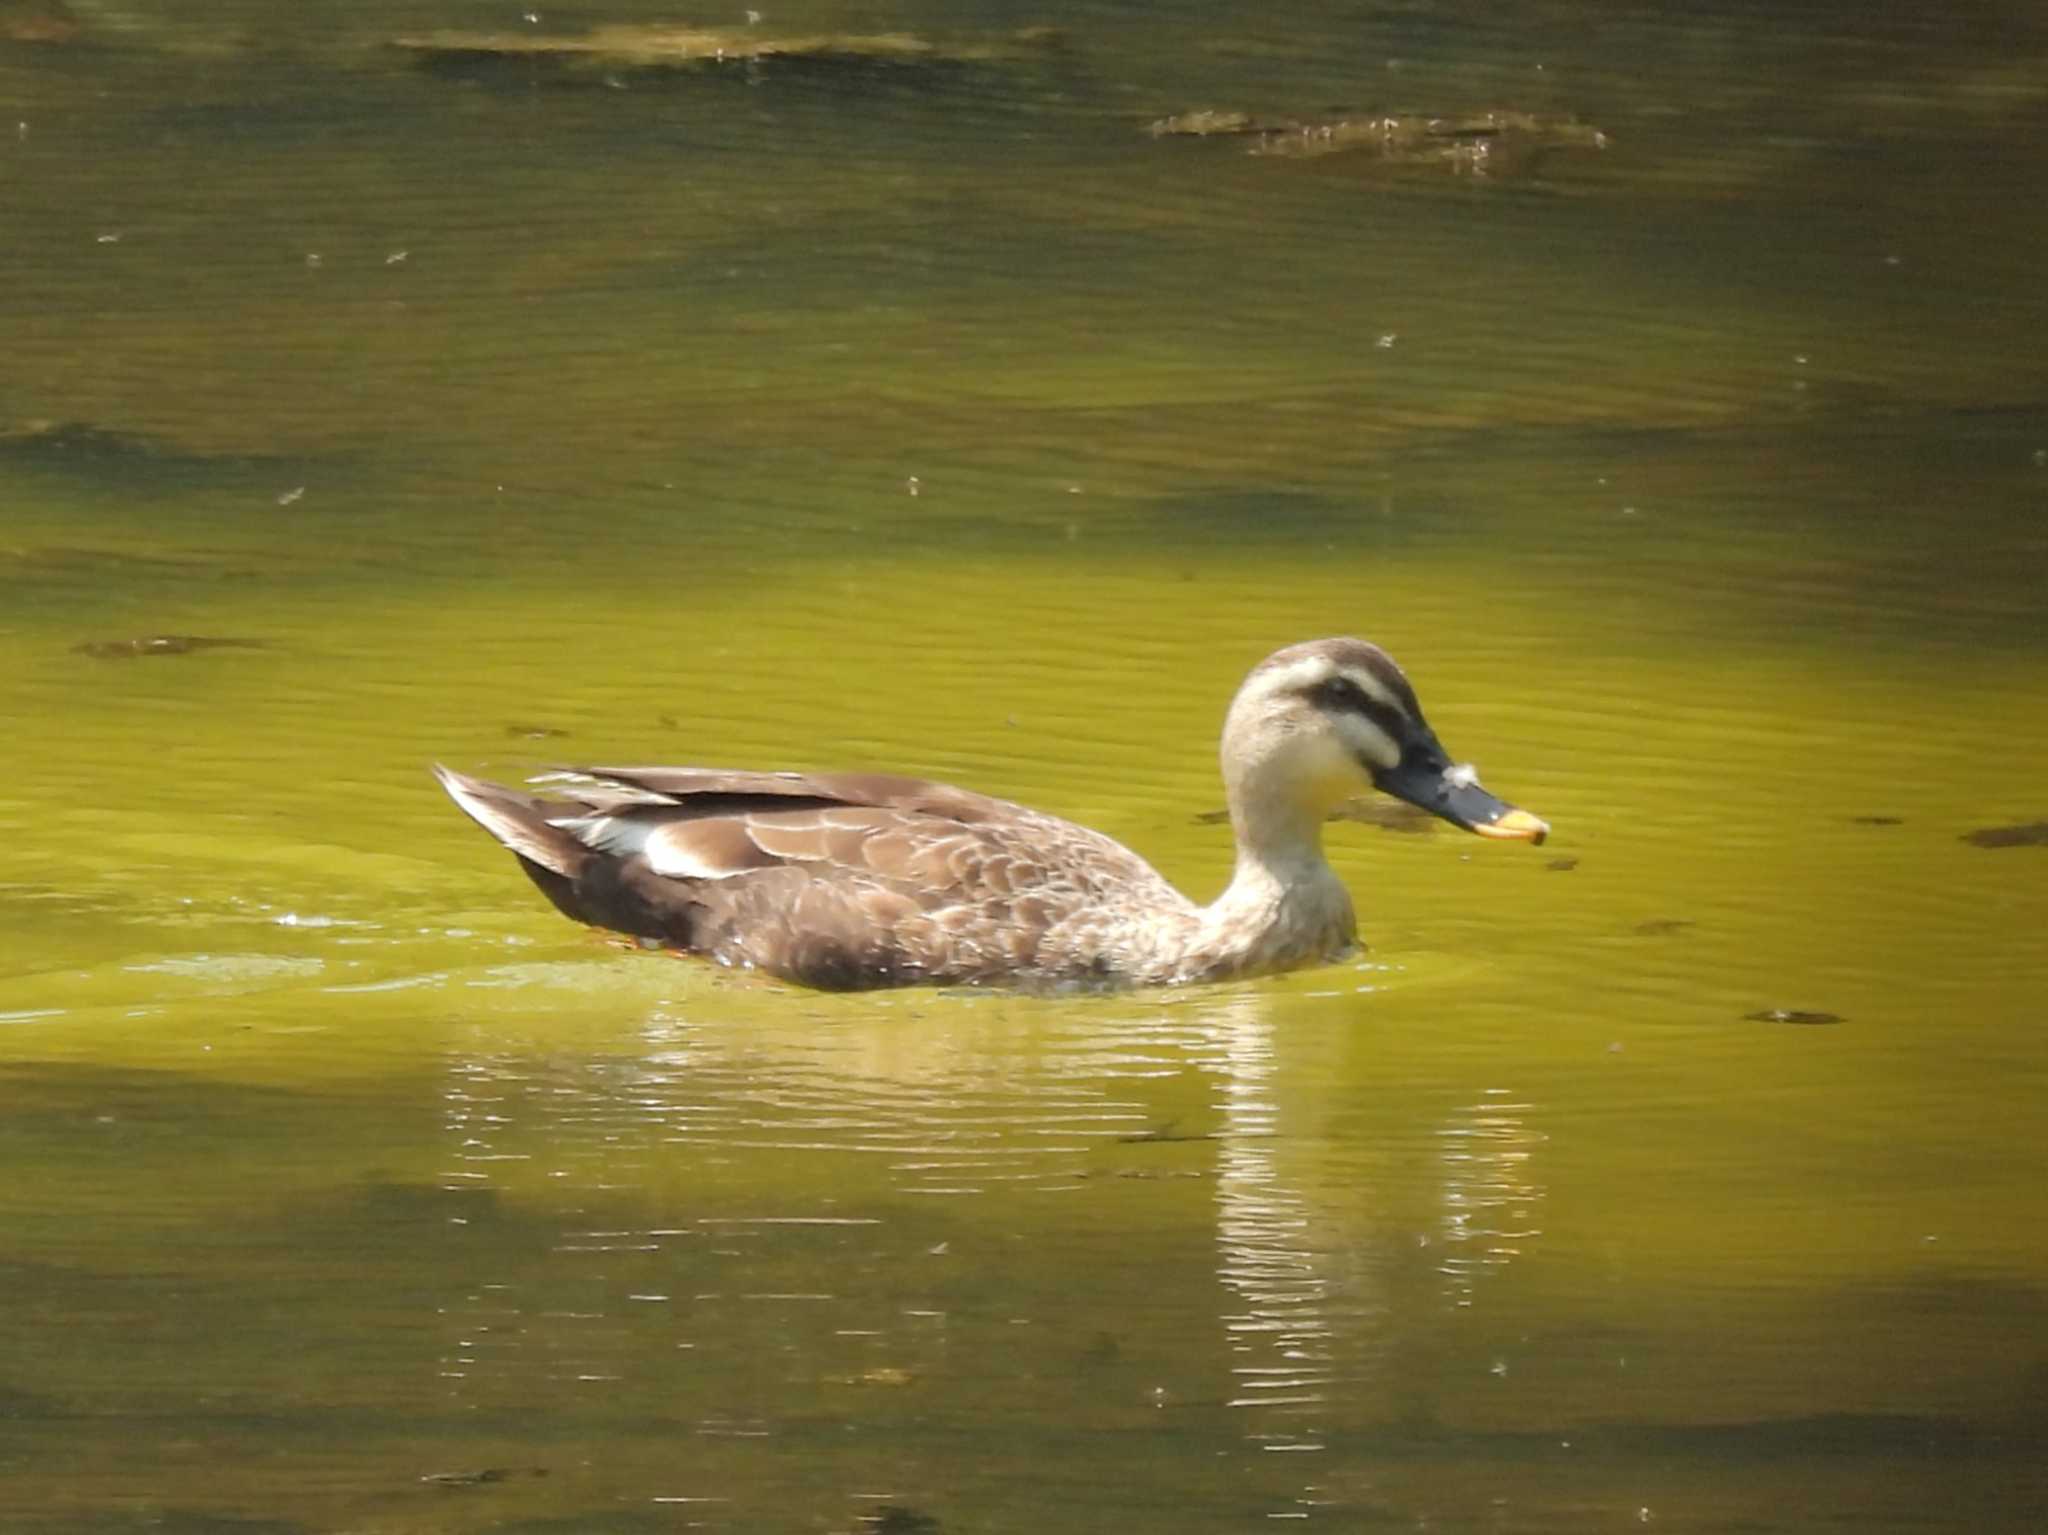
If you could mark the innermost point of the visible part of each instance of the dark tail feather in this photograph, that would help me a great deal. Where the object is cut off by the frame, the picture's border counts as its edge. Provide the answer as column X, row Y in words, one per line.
column 584, row 883
column 520, row 822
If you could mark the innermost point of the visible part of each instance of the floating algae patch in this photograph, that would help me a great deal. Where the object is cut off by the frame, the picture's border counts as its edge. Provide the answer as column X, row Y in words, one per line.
column 1475, row 144
column 1205, row 125
column 161, row 645
column 681, row 47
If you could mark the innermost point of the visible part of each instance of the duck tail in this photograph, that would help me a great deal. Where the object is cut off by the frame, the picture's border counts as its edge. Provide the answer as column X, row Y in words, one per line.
column 519, row 821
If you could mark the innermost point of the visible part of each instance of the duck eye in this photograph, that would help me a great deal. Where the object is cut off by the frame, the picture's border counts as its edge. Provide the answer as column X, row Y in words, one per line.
column 1340, row 693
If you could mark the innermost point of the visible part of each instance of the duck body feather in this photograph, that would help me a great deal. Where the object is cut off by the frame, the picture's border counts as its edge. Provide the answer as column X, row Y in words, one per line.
column 842, row 881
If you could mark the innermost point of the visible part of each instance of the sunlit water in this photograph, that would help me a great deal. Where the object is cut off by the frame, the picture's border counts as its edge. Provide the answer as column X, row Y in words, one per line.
column 942, row 420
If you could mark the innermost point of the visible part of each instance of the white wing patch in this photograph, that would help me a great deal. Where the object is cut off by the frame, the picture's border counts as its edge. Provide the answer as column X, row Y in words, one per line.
column 607, row 833
column 717, row 847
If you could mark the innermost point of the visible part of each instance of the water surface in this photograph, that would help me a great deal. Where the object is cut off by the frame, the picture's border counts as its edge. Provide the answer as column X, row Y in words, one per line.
column 940, row 419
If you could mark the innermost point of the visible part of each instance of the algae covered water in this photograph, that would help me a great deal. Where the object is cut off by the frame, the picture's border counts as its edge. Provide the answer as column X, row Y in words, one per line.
column 367, row 405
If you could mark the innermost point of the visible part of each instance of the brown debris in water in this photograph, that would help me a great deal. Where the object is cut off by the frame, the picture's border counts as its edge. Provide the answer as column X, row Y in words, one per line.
column 899, row 1519
column 1478, row 144
column 483, row 1476
column 877, row 1375
column 674, row 47
column 1792, row 1015
column 2027, row 834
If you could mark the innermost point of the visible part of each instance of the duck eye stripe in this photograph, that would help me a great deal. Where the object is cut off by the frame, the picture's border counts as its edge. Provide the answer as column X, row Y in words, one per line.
column 1342, row 695
column 1388, row 718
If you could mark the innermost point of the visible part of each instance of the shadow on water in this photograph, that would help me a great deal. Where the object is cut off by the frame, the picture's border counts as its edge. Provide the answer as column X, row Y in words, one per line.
column 107, row 462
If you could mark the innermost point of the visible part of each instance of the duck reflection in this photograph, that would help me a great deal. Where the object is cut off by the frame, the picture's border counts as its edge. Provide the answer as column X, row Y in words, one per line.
column 738, row 1217
column 1347, row 1217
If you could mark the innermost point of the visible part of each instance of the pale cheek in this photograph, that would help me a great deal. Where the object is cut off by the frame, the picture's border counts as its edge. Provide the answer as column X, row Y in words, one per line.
column 1363, row 741
column 1331, row 770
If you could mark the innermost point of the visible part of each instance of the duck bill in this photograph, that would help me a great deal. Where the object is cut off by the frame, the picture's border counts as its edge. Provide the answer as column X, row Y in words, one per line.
column 1429, row 781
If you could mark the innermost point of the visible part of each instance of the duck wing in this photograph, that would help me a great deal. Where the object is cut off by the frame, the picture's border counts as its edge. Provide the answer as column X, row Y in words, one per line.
column 723, row 791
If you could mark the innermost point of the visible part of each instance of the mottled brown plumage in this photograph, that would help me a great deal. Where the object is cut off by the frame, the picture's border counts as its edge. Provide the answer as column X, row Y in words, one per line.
column 852, row 880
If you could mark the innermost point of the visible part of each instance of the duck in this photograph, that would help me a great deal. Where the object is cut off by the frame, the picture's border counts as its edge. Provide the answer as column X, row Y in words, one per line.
column 850, row 881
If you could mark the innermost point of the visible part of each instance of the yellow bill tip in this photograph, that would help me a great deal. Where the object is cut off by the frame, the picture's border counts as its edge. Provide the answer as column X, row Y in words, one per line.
column 1516, row 826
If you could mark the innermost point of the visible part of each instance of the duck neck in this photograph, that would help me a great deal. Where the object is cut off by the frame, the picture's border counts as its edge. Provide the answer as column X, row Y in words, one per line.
column 1284, row 905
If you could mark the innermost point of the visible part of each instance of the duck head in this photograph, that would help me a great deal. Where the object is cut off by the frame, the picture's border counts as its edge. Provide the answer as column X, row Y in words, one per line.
column 1316, row 723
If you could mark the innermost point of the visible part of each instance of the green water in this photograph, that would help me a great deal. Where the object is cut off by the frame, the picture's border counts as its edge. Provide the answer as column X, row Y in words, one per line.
column 941, row 420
